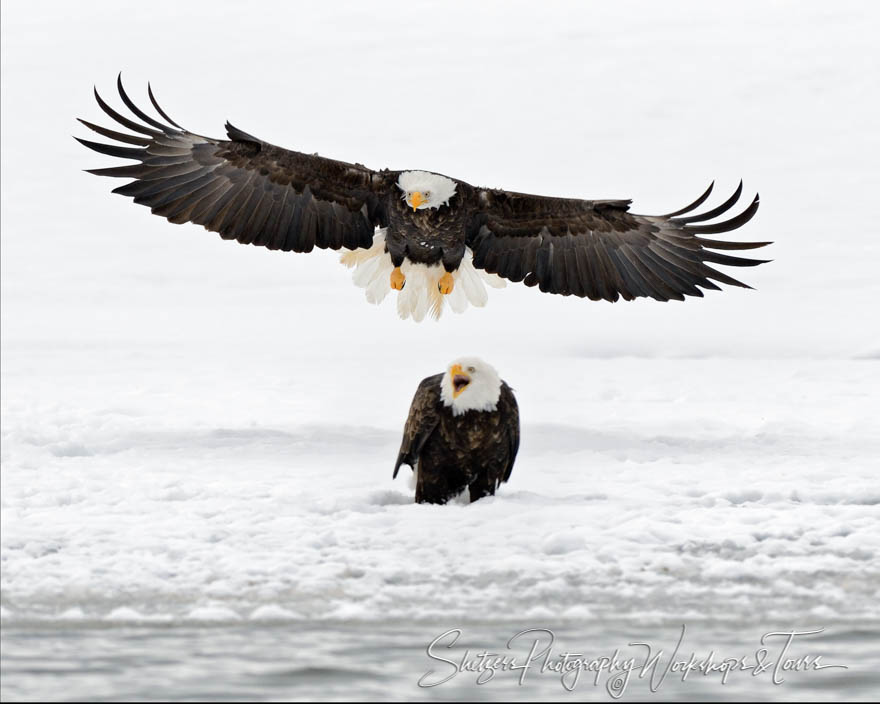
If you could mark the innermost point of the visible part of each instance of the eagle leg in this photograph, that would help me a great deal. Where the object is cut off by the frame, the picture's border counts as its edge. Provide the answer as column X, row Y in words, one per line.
column 446, row 283
column 398, row 280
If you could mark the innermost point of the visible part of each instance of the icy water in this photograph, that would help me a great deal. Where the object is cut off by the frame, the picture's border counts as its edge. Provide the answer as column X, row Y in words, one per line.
column 368, row 662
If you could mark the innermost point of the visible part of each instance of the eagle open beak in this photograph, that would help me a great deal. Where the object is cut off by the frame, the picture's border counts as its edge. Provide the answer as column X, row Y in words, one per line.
column 460, row 380
column 415, row 200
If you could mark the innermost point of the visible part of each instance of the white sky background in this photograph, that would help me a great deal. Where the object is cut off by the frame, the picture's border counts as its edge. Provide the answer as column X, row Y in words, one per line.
column 174, row 404
column 643, row 100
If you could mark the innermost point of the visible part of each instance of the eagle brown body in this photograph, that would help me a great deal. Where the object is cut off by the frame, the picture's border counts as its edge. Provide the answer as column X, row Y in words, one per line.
column 256, row 193
column 426, row 236
column 450, row 453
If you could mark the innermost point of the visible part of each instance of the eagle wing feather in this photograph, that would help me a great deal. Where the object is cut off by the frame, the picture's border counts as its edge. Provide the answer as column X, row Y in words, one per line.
column 422, row 421
column 599, row 250
column 509, row 410
column 243, row 188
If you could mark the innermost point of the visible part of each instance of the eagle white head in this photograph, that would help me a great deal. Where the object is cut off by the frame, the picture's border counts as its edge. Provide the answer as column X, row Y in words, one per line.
column 422, row 189
column 470, row 384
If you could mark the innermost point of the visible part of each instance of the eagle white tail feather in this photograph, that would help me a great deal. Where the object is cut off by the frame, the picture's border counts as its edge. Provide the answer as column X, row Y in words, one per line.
column 421, row 295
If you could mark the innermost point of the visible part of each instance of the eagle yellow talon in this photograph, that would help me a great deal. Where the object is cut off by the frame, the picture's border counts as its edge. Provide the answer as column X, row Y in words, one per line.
column 397, row 279
column 446, row 283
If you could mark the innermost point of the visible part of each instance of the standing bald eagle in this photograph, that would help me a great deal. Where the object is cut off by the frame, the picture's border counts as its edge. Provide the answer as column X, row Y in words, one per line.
column 462, row 433
column 438, row 238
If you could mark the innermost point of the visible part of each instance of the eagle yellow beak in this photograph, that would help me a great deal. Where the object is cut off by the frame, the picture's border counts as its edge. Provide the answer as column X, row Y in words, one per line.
column 460, row 380
column 415, row 200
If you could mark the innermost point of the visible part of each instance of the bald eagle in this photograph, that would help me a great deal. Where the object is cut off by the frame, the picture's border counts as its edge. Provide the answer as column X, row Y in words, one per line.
column 462, row 433
column 430, row 237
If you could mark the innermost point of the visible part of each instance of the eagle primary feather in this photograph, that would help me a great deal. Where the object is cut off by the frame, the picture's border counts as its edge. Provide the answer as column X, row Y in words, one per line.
column 257, row 193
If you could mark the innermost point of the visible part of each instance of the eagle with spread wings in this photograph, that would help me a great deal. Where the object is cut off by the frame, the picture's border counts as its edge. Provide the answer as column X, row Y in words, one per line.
column 432, row 238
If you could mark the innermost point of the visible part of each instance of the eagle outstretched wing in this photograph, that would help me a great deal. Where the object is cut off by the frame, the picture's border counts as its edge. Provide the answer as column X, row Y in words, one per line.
column 243, row 188
column 599, row 250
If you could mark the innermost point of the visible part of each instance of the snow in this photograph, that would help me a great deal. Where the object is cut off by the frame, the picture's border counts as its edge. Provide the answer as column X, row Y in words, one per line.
column 199, row 432
column 666, row 489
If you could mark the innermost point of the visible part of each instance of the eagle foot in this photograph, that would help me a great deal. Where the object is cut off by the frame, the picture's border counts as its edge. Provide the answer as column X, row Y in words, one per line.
column 398, row 280
column 446, row 283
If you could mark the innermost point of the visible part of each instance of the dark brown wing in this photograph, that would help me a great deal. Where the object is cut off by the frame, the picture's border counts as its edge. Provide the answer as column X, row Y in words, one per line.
column 423, row 419
column 509, row 410
column 599, row 250
column 244, row 188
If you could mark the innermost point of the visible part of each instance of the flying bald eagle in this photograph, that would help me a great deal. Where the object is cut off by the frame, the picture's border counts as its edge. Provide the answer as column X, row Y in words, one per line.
column 430, row 237
column 462, row 433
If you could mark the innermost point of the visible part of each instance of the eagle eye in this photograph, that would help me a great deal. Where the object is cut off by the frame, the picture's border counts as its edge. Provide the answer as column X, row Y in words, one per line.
column 471, row 370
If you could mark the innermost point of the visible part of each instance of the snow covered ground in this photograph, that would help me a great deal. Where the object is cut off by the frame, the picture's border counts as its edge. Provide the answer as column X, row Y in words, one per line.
column 672, row 487
column 196, row 433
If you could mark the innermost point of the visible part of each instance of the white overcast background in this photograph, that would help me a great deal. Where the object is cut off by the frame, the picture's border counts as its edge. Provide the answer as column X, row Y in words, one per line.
column 199, row 431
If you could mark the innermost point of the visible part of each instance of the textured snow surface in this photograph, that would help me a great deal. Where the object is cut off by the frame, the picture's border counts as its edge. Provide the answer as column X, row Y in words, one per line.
column 673, row 487
column 194, row 431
